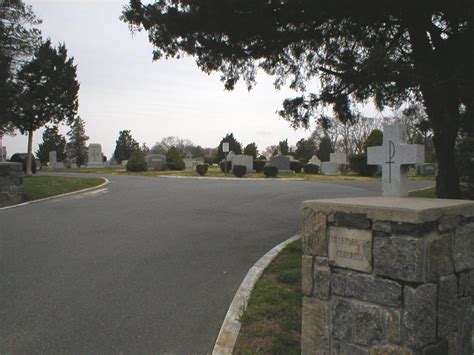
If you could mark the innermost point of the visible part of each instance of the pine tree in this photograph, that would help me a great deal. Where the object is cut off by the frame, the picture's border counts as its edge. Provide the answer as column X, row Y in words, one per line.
column 76, row 148
column 52, row 141
column 234, row 146
column 251, row 149
column 125, row 146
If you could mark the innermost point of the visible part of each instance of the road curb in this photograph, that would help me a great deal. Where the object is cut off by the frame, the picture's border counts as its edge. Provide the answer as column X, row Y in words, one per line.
column 231, row 326
column 106, row 182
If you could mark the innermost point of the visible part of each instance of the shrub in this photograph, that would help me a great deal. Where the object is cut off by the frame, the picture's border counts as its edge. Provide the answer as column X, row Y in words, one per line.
column 201, row 169
column 136, row 162
column 239, row 170
column 296, row 166
column 222, row 166
column 358, row 164
column 311, row 168
column 270, row 171
column 258, row 165
column 175, row 165
column 209, row 160
column 21, row 158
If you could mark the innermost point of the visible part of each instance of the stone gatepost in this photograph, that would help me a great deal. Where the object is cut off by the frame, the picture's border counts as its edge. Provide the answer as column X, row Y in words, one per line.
column 11, row 184
column 387, row 276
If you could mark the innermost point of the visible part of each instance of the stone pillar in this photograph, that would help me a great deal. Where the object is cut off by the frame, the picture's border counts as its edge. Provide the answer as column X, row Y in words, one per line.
column 387, row 276
column 11, row 184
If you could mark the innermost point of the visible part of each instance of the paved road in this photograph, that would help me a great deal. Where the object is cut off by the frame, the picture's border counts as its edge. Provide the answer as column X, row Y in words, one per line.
column 147, row 265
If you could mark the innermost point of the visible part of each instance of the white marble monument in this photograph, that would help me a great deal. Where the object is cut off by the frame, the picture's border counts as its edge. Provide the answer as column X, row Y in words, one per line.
column 94, row 154
column 246, row 160
column 394, row 156
column 314, row 160
column 338, row 158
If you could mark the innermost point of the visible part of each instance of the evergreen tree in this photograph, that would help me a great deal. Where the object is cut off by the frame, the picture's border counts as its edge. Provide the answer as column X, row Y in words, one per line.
column 325, row 149
column 374, row 139
column 305, row 149
column 52, row 141
column 251, row 149
column 284, row 147
column 388, row 51
column 234, row 146
column 48, row 92
column 76, row 148
column 125, row 146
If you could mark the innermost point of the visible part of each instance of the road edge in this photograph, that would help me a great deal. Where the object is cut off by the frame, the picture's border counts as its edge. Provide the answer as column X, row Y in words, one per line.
column 105, row 183
column 230, row 328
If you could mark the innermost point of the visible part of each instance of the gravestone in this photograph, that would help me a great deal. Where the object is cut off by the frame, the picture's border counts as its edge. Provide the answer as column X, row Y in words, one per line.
column 428, row 169
column 155, row 161
column 124, row 163
column 246, row 160
column 338, row 158
column 282, row 162
column 329, row 168
column 3, row 153
column 314, row 160
column 94, row 154
column 198, row 161
column 230, row 156
column 188, row 163
column 394, row 156
column 52, row 159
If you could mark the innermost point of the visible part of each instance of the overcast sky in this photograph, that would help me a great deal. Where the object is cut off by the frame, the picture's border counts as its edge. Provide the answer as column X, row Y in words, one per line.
column 122, row 88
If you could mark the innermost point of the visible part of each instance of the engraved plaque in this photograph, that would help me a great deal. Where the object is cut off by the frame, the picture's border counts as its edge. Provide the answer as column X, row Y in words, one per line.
column 350, row 248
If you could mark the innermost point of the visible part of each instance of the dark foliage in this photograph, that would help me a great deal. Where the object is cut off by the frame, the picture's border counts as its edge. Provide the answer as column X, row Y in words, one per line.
column 125, row 146
column 201, row 169
column 270, row 171
column 239, row 170
column 296, row 166
column 258, row 165
column 222, row 166
column 234, row 146
column 358, row 164
column 311, row 169
column 22, row 158
column 136, row 162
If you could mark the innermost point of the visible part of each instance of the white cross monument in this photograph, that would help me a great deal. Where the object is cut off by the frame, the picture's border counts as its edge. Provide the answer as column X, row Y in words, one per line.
column 394, row 156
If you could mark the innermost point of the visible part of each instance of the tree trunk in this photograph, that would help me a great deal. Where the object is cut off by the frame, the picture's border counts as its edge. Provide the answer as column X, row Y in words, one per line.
column 29, row 156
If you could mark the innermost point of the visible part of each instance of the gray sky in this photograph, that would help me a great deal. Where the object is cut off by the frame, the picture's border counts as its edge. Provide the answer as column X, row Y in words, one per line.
column 121, row 88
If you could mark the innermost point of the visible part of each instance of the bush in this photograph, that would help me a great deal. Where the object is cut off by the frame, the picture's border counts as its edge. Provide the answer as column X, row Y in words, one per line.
column 201, row 169
column 296, row 166
column 358, row 164
column 311, row 168
column 175, row 165
column 209, row 160
column 258, row 165
column 239, row 170
column 21, row 158
column 270, row 171
column 222, row 166
column 136, row 162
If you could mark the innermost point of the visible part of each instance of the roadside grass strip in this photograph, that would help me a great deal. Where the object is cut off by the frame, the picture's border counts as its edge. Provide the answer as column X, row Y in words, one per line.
column 271, row 323
column 426, row 193
column 39, row 187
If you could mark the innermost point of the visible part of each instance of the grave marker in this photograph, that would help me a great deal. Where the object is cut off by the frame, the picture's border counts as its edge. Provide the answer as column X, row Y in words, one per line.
column 394, row 156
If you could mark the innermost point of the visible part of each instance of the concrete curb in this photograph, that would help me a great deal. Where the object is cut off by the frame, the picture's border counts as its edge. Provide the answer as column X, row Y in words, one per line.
column 106, row 182
column 225, row 179
column 231, row 326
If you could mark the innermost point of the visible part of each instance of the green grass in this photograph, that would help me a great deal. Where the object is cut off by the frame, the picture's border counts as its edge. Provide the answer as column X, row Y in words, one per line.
column 37, row 187
column 271, row 323
column 427, row 193
column 84, row 170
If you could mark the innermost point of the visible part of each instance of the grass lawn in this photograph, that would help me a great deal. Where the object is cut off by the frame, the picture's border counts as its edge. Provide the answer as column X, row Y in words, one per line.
column 83, row 170
column 427, row 193
column 271, row 323
column 37, row 187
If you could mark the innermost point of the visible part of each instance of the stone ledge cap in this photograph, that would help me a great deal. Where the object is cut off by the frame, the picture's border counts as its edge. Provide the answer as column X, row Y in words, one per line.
column 396, row 209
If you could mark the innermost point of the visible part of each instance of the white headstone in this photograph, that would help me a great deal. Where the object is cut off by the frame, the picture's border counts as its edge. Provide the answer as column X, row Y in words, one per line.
column 52, row 159
column 314, row 160
column 246, row 160
column 230, row 156
column 394, row 156
column 338, row 158
column 188, row 163
column 94, row 154
column 329, row 168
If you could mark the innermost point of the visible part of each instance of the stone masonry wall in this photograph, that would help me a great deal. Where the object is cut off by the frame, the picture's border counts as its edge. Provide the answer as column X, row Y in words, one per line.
column 374, row 286
column 11, row 184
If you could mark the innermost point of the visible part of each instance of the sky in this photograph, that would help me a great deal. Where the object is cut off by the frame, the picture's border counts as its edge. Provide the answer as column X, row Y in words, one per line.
column 122, row 88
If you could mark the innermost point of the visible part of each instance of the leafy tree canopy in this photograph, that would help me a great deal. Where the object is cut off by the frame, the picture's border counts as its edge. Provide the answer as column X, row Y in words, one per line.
column 125, row 146
column 393, row 52
column 305, row 149
column 76, row 147
column 324, row 149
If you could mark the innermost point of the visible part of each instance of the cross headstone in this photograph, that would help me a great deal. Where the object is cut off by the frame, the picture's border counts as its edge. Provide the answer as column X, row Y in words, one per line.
column 394, row 156
column 52, row 159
